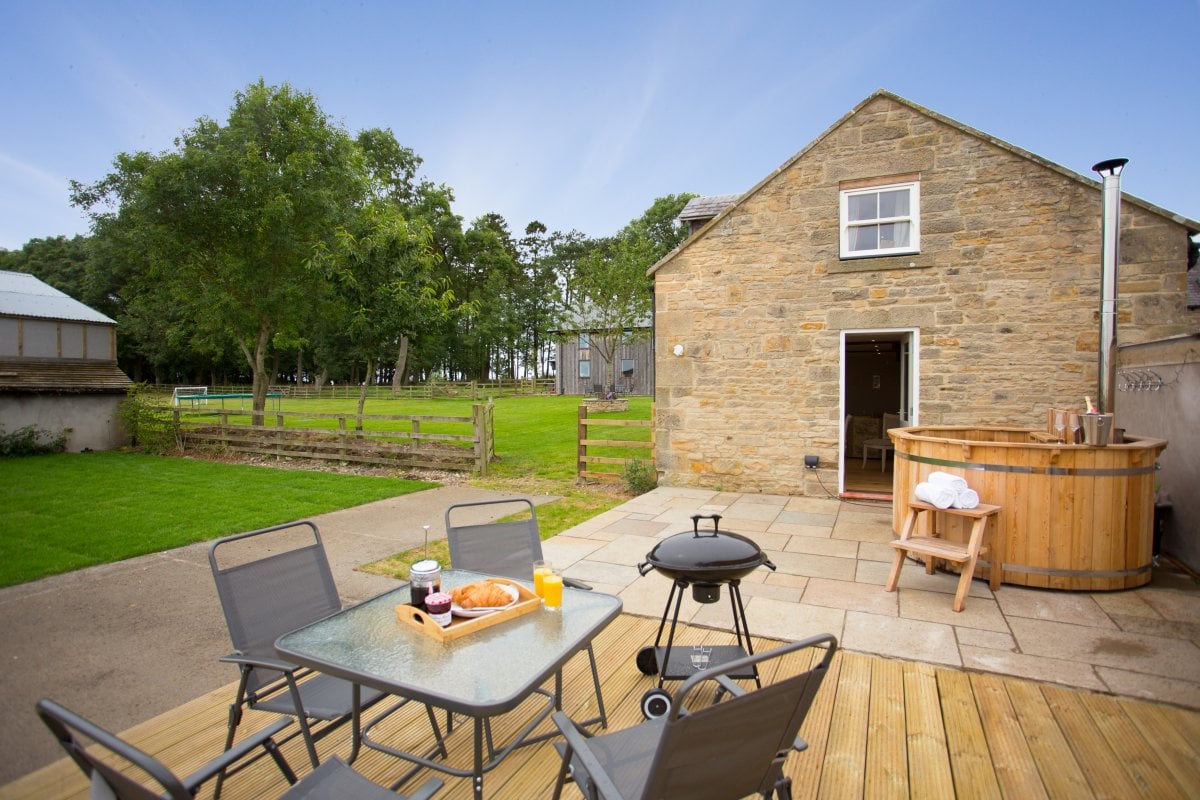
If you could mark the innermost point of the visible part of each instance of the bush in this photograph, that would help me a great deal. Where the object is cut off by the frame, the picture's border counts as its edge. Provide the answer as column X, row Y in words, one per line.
column 151, row 425
column 31, row 441
column 639, row 477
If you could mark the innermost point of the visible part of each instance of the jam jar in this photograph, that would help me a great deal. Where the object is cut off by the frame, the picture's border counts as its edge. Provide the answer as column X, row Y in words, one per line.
column 424, row 578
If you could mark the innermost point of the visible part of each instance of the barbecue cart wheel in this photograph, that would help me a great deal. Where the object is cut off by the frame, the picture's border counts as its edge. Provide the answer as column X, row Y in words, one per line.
column 656, row 703
column 647, row 663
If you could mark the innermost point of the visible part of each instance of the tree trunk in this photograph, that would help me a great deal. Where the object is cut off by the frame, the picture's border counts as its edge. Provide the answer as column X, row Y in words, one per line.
column 401, row 365
column 362, row 392
column 299, row 365
column 257, row 360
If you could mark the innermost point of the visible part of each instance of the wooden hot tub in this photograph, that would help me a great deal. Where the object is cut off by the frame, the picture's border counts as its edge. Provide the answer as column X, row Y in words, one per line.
column 1073, row 516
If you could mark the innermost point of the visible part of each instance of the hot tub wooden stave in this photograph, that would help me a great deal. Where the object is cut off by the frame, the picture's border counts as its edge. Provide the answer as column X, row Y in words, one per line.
column 1074, row 517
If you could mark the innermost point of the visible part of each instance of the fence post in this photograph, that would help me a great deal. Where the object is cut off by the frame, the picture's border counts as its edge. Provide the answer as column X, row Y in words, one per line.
column 416, row 438
column 481, row 421
column 581, row 435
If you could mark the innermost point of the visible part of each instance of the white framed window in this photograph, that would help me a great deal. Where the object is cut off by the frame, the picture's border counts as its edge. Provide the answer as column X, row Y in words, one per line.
column 627, row 366
column 585, row 341
column 585, row 369
column 881, row 220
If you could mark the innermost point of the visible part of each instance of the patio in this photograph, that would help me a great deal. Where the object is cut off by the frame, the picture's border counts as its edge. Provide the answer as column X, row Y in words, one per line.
column 1024, row 693
column 833, row 559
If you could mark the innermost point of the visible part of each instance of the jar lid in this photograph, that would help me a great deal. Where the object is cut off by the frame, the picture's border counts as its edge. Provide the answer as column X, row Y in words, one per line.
column 427, row 567
column 439, row 599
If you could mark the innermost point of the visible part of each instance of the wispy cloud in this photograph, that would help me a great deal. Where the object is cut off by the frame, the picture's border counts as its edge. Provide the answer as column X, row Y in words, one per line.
column 31, row 178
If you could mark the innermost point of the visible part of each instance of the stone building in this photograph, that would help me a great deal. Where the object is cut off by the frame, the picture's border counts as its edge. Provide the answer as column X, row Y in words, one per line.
column 58, row 365
column 900, row 263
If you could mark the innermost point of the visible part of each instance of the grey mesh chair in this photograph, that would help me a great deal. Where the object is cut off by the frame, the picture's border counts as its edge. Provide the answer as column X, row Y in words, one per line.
column 106, row 760
column 735, row 747
column 508, row 549
column 270, row 582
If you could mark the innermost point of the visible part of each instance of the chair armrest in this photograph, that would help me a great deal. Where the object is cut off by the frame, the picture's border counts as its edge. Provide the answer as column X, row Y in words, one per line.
column 234, row 754
column 260, row 661
column 577, row 748
column 574, row 584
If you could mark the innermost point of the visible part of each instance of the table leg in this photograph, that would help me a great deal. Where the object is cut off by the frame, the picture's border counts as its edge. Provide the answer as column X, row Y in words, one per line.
column 355, row 720
column 477, row 777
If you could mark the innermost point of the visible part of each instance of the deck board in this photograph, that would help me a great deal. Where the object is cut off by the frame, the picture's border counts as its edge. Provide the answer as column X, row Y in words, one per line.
column 880, row 728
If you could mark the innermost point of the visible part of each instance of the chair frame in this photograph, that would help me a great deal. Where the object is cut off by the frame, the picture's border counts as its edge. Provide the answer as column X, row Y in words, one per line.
column 66, row 724
column 460, row 558
column 291, row 678
column 597, row 783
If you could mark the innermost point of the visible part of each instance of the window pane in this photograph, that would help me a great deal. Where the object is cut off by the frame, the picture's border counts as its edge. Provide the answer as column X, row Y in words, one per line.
column 893, row 203
column 627, row 365
column 583, row 341
column 585, row 369
column 894, row 234
column 862, row 206
column 865, row 237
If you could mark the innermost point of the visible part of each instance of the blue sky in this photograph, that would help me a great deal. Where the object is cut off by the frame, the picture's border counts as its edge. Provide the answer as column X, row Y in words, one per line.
column 579, row 114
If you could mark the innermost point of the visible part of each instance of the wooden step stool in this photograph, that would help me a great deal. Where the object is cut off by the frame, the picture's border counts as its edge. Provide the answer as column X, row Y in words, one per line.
column 933, row 547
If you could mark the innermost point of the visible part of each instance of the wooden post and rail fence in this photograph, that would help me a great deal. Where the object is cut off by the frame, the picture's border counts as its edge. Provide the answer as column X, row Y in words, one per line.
column 586, row 438
column 383, row 443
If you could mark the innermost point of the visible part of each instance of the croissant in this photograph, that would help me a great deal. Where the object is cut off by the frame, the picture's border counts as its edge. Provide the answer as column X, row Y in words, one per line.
column 482, row 594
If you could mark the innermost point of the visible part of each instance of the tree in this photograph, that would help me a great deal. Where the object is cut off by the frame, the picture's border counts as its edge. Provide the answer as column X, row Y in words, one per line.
column 611, row 291
column 229, row 220
column 59, row 261
column 381, row 268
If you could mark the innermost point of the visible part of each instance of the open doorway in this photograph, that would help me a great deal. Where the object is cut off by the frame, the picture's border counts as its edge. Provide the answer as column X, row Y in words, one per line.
column 879, row 374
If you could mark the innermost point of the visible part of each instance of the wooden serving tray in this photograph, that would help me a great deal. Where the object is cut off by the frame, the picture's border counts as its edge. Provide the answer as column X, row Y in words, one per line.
column 420, row 619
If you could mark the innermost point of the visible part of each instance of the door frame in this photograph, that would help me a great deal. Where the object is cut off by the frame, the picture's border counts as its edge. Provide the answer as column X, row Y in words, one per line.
column 910, row 378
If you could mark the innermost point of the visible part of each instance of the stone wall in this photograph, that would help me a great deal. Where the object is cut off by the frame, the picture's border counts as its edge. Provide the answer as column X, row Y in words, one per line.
column 1004, row 293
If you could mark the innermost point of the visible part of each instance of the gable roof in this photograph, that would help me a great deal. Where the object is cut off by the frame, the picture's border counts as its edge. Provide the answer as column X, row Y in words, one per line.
column 23, row 295
column 706, row 207
column 1192, row 226
column 585, row 320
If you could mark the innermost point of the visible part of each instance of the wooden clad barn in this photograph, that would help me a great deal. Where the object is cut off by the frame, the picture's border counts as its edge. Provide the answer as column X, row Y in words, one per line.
column 58, row 365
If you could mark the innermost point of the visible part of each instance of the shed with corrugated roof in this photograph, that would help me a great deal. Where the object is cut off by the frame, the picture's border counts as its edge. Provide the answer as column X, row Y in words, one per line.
column 58, row 365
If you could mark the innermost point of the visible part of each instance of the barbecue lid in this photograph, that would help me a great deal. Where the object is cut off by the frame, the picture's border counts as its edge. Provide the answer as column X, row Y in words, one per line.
column 698, row 550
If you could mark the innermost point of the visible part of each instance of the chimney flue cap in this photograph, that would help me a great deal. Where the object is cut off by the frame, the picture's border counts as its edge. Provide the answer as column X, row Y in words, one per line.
column 1111, row 167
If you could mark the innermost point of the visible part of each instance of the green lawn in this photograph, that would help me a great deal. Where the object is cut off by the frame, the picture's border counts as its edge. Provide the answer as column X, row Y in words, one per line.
column 67, row 511
column 72, row 510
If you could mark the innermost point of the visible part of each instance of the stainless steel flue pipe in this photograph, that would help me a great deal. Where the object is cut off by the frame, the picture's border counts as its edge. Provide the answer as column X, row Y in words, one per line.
column 1110, row 172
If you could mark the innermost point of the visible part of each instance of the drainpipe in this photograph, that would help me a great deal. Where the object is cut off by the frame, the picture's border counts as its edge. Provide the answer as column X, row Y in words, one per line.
column 1110, row 172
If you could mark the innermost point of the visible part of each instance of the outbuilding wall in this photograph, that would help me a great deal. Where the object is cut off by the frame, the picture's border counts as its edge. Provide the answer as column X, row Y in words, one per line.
column 92, row 418
column 1004, row 295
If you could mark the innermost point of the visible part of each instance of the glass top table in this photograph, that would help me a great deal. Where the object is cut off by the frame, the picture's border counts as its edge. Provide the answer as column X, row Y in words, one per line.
column 368, row 645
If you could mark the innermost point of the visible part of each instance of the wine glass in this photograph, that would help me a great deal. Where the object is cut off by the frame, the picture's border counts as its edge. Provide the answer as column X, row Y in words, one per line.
column 1060, row 424
column 1074, row 424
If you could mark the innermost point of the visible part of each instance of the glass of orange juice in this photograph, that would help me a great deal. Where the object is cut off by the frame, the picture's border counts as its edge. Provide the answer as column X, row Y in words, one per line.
column 540, row 569
column 552, row 590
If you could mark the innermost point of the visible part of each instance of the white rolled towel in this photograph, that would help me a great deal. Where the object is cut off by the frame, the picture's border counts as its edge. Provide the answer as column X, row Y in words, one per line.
column 967, row 498
column 946, row 479
column 936, row 494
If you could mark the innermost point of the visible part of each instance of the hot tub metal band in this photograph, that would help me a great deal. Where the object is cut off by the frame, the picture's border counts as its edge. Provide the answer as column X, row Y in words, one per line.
column 1087, row 472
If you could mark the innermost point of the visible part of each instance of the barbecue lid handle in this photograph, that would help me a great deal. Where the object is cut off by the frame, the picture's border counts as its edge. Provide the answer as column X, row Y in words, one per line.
column 644, row 567
column 716, row 518
column 766, row 562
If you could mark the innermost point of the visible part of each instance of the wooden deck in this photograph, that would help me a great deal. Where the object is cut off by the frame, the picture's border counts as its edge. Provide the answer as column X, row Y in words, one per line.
column 879, row 729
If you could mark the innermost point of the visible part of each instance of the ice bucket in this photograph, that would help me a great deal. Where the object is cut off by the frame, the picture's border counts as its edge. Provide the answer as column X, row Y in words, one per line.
column 1096, row 428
